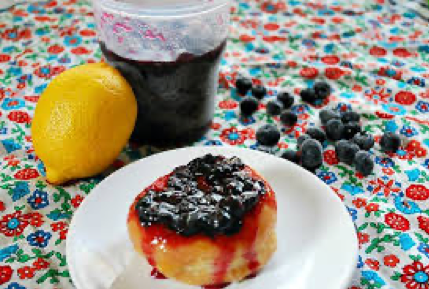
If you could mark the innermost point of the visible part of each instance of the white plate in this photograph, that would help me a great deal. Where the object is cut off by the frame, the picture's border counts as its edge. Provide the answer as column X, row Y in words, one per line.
column 317, row 244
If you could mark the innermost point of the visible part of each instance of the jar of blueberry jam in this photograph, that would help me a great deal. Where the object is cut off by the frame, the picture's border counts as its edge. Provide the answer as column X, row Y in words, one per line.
column 169, row 51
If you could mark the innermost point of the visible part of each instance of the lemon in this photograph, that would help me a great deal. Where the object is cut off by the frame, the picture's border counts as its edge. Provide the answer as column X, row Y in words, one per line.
column 82, row 121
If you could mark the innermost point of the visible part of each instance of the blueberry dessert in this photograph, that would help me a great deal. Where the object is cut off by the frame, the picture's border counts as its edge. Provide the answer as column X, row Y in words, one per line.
column 208, row 222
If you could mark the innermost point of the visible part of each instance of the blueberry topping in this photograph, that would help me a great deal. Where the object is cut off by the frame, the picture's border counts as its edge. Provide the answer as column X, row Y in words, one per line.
column 274, row 107
column 292, row 156
column 288, row 118
column 364, row 141
column 350, row 129
column 259, row 91
column 390, row 142
column 308, row 95
column 346, row 151
column 248, row 106
column 243, row 85
column 350, row 116
column 327, row 114
column 302, row 139
column 311, row 154
column 363, row 163
column 214, row 195
column 286, row 99
column 268, row 135
column 322, row 89
column 334, row 129
column 317, row 134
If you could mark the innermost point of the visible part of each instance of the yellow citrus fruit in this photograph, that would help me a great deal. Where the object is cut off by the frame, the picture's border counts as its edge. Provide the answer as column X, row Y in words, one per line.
column 82, row 121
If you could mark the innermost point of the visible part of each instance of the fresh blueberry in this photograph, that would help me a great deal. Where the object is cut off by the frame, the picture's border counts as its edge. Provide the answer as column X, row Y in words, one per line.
column 317, row 134
column 322, row 89
column 350, row 116
column 363, row 163
column 350, row 129
column 346, row 151
column 390, row 142
column 291, row 155
column 248, row 106
column 327, row 114
column 274, row 107
column 311, row 154
column 259, row 91
column 288, row 118
column 364, row 141
column 334, row 129
column 285, row 98
column 308, row 95
column 243, row 85
column 268, row 135
column 302, row 139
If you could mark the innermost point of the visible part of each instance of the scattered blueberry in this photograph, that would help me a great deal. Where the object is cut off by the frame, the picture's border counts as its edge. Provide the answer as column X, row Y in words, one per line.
column 268, row 135
column 286, row 98
column 363, row 163
column 317, row 134
column 259, row 91
column 364, row 141
column 334, row 129
column 311, row 154
column 308, row 95
column 322, row 89
column 390, row 142
column 346, row 151
column 291, row 155
column 274, row 107
column 248, row 106
column 350, row 116
column 350, row 129
column 243, row 85
column 327, row 114
column 288, row 118
column 302, row 139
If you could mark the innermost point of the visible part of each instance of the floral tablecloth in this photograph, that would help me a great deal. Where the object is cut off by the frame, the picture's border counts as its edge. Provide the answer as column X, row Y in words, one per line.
column 375, row 55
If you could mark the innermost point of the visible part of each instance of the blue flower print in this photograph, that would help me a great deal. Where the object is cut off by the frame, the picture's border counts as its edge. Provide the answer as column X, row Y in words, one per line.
column 7, row 252
column 36, row 9
column 38, row 200
column 424, row 48
column 390, row 126
column 353, row 190
column 417, row 81
column 300, row 108
column 406, row 206
column 384, row 162
column 39, row 89
column 21, row 190
column 213, row 143
column 72, row 40
column 406, row 242
column 41, row 168
column 395, row 109
column 424, row 249
column 15, row 285
column 347, row 95
column 15, row 71
column 10, row 145
column 247, row 120
column 309, row 43
column 12, row 103
column 413, row 174
column 229, row 115
column 373, row 276
column 343, row 107
column 327, row 177
column 422, row 106
column 353, row 213
column 408, row 131
column 360, row 262
column 64, row 60
column 39, row 239
column 426, row 164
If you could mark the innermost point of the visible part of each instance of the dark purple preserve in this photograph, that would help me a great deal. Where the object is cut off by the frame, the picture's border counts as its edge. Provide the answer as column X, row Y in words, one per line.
column 175, row 99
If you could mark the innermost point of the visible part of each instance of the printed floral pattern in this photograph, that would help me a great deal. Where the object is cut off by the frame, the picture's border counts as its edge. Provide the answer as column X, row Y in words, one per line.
column 376, row 59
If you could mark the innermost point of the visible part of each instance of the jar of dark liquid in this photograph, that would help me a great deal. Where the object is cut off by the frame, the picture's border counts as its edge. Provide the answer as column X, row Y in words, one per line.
column 169, row 51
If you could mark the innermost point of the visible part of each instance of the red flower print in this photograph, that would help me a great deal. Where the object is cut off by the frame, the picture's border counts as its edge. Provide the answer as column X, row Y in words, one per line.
column 330, row 59
column 87, row 32
column 330, row 157
column 337, row 20
column 390, row 72
column 269, row 7
column 216, row 126
column 373, row 264
column 385, row 187
column 5, row 274
column 412, row 145
column 36, row 219
column 249, row 133
column 309, row 72
column 40, row 264
column 415, row 276
column 63, row 234
column 2, row 206
column 372, row 207
column 377, row 51
column 32, row 98
column 228, row 104
column 388, row 171
column 405, row 97
column 397, row 222
column 233, row 136
column 19, row 117
column 384, row 115
column 271, row 26
column 26, row 272
column 420, row 152
column 80, row 50
column 363, row 238
column 76, row 201
column 390, row 260
column 359, row 202
column 246, row 38
column 333, row 73
column 417, row 192
column 58, row 226
column 14, row 224
column 423, row 223
column 26, row 174
column 401, row 52
column 55, row 49
column 378, row 95
column 4, row 58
